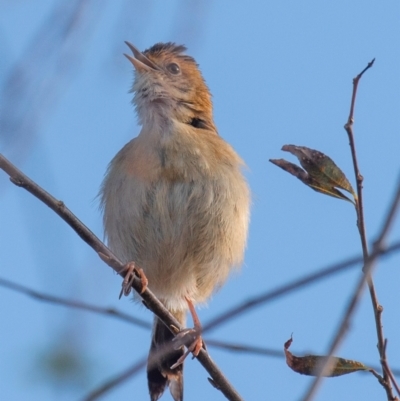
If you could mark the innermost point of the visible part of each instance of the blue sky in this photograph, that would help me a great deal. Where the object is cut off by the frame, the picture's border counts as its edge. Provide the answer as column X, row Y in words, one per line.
column 280, row 73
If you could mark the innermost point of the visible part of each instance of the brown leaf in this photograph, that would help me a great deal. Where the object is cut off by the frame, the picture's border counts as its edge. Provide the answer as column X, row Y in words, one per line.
column 320, row 172
column 310, row 364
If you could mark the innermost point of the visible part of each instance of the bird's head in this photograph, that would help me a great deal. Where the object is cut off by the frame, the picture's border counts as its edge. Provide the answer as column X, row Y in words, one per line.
column 169, row 84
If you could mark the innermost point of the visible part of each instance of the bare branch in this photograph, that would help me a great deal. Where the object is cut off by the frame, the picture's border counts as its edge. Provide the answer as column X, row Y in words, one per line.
column 377, row 308
column 356, row 80
column 369, row 260
column 389, row 371
column 359, row 178
column 368, row 266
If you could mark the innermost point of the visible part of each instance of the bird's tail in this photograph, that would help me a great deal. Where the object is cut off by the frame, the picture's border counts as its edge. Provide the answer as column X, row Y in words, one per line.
column 162, row 356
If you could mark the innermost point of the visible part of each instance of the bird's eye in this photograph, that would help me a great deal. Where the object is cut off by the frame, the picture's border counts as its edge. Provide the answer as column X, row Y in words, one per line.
column 173, row 68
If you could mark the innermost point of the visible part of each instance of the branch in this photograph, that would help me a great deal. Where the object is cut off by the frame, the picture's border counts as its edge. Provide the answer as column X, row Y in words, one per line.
column 369, row 261
column 345, row 322
column 359, row 178
column 377, row 308
column 386, row 368
column 152, row 303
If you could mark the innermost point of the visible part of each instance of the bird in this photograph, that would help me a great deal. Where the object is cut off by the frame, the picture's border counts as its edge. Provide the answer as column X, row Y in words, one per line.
column 175, row 200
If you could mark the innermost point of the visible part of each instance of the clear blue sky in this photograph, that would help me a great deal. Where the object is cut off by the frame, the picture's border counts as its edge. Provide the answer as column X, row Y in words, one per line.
column 280, row 73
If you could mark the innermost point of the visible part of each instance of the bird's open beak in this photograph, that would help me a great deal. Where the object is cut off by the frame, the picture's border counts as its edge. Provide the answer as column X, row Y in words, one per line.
column 140, row 61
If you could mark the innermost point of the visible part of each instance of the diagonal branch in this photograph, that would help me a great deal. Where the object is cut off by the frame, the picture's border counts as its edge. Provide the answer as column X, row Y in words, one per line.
column 152, row 303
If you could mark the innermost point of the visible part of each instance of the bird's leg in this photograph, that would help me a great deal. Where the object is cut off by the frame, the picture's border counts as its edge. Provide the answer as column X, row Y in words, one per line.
column 196, row 343
column 131, row 269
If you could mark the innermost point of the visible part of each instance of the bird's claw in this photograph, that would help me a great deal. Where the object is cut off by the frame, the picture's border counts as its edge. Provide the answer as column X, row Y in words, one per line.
column 131, row 271
column 193, row 341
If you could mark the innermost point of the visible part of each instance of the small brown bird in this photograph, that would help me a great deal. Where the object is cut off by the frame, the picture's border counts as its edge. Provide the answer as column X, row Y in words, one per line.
column 175, row 200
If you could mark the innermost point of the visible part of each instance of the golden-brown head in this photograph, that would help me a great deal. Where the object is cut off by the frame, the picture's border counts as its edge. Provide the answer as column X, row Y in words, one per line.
column 169, row 83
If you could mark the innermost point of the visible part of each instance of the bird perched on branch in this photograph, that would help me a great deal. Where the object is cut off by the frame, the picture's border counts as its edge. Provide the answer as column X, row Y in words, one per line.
column 175, row 200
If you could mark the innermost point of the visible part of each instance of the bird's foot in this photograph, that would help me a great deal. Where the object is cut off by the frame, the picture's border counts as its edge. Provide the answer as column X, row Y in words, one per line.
column 132, row 271
column 193, row 341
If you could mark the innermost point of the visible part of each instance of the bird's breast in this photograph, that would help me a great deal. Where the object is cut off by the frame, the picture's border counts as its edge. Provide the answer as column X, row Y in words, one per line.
column 179, row 208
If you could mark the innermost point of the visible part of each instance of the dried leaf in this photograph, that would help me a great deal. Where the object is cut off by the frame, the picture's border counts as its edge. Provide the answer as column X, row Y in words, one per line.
column 310, row 364
column 320, row 172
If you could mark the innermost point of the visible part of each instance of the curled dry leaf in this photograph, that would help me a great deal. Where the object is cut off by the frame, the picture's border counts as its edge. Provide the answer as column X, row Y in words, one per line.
column 320, row 172
column 310, row 364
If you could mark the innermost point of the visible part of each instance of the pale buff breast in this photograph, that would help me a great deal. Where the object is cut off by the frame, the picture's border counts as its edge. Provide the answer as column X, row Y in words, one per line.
column 180, row 210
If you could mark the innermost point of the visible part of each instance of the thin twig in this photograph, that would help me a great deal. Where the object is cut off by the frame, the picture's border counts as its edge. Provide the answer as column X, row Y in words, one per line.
column 376, row 374
column 152, row 303
column 389, row 371
column 359, row 178
column 368, row 267
column 377, row 308
column 356, row 80
column 369, row 260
